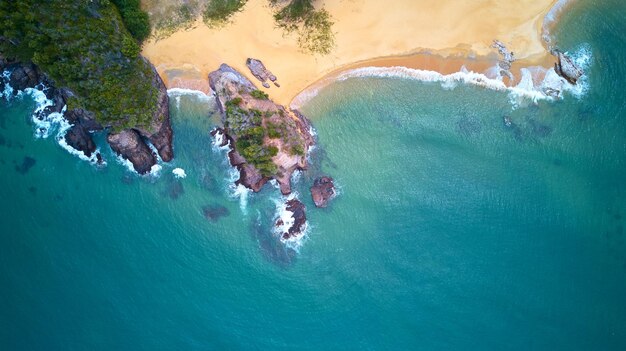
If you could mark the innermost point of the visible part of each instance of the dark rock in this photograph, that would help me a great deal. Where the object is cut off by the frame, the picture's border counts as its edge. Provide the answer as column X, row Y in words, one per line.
column 214, row 212
column 86, row 119
column 129, row 145
column 27, row 164
column 297, row 210
column 32, row 190
column 78, row 138
column 322, row 191
column 566, row 68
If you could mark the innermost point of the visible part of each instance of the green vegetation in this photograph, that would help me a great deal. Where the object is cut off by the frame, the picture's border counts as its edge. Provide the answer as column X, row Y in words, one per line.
column 259, row 94
column 168, row 16
column 250, row 133
column 85, row 47
column 135, row 19
column 313, row 27
column 218, row 12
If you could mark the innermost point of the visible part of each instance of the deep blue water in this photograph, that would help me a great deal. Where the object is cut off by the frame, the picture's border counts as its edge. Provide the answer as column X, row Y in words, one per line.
column 451, row 230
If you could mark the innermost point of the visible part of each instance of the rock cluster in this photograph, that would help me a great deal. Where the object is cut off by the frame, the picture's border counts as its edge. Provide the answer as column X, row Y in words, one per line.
column 507, row 59
column 297, row 210
column 257, row 68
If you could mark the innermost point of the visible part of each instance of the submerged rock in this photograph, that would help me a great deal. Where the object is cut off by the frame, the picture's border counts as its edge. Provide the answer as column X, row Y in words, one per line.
column 322, row 191
column 214, row 212
column 27, row 163
column 566, row 68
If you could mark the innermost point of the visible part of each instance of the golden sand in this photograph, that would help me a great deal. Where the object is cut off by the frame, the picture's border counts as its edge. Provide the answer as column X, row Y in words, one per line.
column 368, row 33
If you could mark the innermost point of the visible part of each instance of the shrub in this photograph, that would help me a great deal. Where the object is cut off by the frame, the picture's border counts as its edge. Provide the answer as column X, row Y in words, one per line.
column 135, row 19
column 259, row 94
column 218, row 12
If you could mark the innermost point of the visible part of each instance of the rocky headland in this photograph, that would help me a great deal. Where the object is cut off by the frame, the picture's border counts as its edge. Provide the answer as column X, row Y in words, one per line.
column 130, row 143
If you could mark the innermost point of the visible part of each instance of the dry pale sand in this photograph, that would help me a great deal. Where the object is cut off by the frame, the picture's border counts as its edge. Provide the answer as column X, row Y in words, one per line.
column 368, row 33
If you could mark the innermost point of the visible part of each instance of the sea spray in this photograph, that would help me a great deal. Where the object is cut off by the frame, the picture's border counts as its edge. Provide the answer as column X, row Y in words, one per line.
column 234, row 190
column 179, row 173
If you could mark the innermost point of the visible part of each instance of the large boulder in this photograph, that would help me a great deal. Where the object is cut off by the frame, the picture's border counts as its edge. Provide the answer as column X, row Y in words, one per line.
column 322, row 191
column 566, row 68
column 129, row 145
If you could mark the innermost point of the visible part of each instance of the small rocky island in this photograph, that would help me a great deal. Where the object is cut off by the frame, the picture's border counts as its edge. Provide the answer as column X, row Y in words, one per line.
column 267, row 141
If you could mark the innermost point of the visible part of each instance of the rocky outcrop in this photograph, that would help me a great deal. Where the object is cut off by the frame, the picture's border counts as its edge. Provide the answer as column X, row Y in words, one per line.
column 284, row 131
column 566, row 68
column 257, row 68
column 159, row 132
column 506, row 61
column 297, row 223
column 322, row 191
column 129, row 144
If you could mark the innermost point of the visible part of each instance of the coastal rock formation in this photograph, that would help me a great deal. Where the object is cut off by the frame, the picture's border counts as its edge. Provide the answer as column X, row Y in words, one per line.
column 267, row 140
column 294, row 226
column 506, row 61
column 257, row 68
column 322, row 191
column 159, row 132
column 130, row 145
column 566, row 68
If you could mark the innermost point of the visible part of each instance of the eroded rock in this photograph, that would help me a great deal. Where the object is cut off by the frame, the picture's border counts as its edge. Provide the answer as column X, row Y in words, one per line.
column 129, row 145
column 566, row 68
column 322, row 191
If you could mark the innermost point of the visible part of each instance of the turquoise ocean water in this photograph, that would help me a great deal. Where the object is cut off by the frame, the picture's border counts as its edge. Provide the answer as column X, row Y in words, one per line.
column 451, row 230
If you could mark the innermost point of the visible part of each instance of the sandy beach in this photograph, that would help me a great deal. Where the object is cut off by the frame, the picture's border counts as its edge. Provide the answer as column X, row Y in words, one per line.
column 368, row 33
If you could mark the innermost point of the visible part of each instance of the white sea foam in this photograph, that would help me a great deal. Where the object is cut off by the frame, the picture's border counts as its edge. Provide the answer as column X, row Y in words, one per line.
column 178, row 92
column 218, row 139
column 155, row 170
column 179, row 173
column 519, row 95
column 7, row 93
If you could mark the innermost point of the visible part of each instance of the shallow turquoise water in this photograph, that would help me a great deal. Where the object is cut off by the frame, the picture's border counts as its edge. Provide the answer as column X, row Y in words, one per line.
column 451, row 231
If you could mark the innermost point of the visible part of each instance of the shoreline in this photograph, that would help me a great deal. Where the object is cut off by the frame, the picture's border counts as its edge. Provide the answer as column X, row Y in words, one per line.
column 185, row 58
